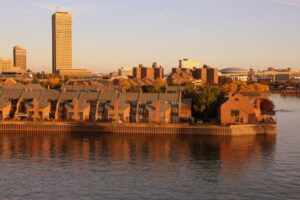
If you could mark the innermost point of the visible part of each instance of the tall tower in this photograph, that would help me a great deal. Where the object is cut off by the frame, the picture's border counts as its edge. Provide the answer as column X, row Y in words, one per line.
column 61, row 41
column 20, row 58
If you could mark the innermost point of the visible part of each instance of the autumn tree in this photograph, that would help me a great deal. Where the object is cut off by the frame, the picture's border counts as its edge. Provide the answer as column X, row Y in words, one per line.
column 159, row 85
column 267, row 107
column 54, row 82
column 242, row 86
column 125, row 84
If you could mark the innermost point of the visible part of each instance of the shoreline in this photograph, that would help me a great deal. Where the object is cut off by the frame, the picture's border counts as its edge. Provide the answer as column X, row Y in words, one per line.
column 149, row 129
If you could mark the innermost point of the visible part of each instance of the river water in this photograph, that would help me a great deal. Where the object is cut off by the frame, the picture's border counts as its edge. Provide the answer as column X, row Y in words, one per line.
column 66, row 166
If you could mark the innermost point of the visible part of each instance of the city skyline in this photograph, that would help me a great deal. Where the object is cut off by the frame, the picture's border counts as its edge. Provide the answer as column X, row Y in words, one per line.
column 249, row 34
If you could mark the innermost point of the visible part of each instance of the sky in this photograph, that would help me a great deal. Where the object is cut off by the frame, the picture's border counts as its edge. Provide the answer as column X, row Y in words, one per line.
column 109, row 34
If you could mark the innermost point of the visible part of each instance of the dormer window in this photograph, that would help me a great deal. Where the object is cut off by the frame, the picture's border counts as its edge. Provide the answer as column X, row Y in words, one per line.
column 236, row 99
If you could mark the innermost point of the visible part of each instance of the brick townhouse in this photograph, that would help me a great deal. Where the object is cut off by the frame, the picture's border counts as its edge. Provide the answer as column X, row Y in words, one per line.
column 92, row 105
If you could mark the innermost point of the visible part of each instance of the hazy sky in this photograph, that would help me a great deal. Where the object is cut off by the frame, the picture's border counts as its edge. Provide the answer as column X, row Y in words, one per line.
column 108, row 34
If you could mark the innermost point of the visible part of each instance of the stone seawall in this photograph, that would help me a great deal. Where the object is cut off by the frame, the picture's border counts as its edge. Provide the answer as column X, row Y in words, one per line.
column 42, row 127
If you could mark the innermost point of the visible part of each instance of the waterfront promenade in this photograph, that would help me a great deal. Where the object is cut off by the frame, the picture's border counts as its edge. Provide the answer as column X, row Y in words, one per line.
column 115, row 128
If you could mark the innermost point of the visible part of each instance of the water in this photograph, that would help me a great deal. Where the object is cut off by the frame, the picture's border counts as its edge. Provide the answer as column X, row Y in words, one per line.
column 64, row 166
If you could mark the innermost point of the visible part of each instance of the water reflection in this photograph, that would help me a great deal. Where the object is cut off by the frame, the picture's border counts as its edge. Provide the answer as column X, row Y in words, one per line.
column 229, row 153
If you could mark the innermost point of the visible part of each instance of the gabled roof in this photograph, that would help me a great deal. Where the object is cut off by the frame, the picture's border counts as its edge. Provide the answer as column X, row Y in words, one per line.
column 24, row 86
column 34, row 94
column 12, row 93
column 108, row 96
column 4, row 103
column 243, row 103
column 168, row 97
column 164, row 107
column 69, row 95
column 148, row 97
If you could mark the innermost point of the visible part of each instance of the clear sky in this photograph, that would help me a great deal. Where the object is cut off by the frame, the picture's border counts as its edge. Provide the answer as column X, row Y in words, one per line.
column 108, row 34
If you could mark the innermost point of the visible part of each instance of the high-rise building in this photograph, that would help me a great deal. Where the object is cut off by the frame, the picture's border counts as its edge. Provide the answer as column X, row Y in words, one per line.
column 61, row 41
column 20, row 58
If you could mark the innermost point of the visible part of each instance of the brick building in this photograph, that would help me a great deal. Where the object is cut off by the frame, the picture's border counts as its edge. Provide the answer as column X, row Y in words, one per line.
column 238, row 109
column 206, row 74
column 153, row 72
column 91, row 105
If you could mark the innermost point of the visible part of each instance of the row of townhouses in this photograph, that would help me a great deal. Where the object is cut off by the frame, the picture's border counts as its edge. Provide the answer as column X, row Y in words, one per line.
column 89, row 105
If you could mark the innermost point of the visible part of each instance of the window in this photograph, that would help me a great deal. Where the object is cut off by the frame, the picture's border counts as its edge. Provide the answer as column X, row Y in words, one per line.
column 152, row 117
column 175, row 111
column 174, row 103
column 235, row 112
column 237, row 119
column 71, row 115
column 80, row 115
column 236, row 99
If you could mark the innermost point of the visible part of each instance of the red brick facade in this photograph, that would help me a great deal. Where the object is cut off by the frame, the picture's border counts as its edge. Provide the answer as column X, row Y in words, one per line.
column 237, row 109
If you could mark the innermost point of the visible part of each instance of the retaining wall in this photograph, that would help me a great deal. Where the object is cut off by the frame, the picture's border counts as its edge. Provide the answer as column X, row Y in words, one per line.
column 42, row 127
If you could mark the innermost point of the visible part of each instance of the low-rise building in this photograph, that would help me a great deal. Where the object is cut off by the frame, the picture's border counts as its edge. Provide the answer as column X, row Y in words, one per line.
column 189, row 63
column 238, row 109
column 74, row 72
column 91, row 105
column 126, row 71
column 7, row 66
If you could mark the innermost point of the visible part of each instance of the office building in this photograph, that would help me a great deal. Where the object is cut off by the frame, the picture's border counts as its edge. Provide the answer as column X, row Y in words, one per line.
column 61, row 41
column 20, row 58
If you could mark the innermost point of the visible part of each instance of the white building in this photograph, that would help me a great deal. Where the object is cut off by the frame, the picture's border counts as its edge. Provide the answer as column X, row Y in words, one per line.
column 126, row 71
column 189, row 63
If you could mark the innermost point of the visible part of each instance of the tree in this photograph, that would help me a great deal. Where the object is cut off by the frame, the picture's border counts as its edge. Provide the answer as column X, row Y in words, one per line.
column 124, row 83
column 134, row 89
column 54, row 82
column 238, row 86
column 205, row 104
column 158, row 85
column 267, row 107
column 225, row 80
